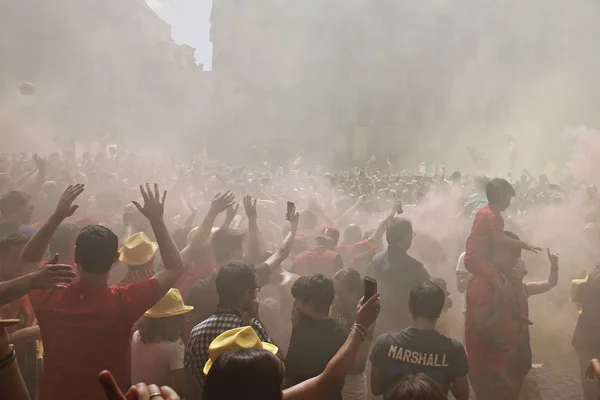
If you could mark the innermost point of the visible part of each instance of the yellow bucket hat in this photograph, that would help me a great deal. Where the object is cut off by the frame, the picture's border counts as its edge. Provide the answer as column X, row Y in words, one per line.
column 137, row 250
column 238, row 338
column 170, row 305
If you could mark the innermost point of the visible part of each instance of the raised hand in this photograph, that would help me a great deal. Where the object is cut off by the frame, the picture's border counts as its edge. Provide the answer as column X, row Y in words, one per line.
column 154, row 205
column 39, row 162
column 553, row 258
column 294, row 220
column 593, row 369
column 367, row 313
column 65, row 207
column 141, row 391
column 51, row 274
column 250, row 207
column 221, row 202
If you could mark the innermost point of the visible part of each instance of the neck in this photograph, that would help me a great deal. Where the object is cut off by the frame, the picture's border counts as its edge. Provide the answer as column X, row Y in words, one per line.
column 424, row 324
column 92, row 279
column 315, row 315
column 239, row 307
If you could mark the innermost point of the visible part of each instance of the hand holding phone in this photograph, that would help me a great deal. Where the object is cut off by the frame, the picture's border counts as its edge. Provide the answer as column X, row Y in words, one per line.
column 291, row 209
column 370, row 288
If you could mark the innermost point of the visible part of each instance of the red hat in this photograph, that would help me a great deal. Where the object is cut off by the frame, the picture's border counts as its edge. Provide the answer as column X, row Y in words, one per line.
column 331, row 233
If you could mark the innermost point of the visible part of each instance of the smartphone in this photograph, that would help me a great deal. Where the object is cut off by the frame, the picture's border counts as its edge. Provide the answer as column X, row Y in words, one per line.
column 291, row 209
column 370, row 287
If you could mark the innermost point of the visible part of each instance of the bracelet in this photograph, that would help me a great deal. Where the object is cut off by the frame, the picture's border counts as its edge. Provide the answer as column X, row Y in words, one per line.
column 362, row 331
column 8, row 360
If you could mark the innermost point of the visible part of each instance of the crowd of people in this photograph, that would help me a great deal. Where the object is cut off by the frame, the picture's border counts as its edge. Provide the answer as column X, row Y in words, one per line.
column 111, row 290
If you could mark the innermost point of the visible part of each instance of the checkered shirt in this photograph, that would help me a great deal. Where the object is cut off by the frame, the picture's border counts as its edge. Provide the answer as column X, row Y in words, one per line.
column 196, row 353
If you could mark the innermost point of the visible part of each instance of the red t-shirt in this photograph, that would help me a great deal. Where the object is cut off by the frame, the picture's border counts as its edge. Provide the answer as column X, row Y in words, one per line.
column 316, row 261
column 85, row 329
column 484, row 359
column 357, row 255
column 488, row 225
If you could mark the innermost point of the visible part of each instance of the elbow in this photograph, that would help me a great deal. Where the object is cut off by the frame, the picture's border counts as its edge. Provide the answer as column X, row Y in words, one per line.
column 376, row 389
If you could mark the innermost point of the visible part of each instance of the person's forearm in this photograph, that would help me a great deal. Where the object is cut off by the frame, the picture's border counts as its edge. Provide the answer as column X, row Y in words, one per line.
column 36, row 247
column 381, row 228
column 202, row 233
column 40, row 179
column 508, row 242
column 328, row 220
column 534, row 288
column 553, row 278
column 168, row 250
column 20, row 182
column 25, row 335
column 460, row 391
column 462, row 281
column 11, row 382
column 280, row 255
column 253, row 241
column 15, row 289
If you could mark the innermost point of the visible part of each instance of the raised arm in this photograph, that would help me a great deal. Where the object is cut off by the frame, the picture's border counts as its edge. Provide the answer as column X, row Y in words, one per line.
column 11, row 380
column 280, row 255
column 153, row 210
column 219, row 204
column 46, row 277
column 253, row 233
column 36, row 247
column 376, row 237
column 534, row 288
column 335, row 372
column 342, row 218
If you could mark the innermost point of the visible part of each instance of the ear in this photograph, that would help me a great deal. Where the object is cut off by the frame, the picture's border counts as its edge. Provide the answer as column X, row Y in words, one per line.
column 116, row 259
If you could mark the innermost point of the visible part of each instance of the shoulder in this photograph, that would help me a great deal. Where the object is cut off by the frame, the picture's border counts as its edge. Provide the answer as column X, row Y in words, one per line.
column 45, row 299
column 145, row 286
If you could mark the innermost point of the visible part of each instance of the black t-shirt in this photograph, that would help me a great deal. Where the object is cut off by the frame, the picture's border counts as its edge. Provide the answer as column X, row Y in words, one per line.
column 413, row 351
column 313, row 344
column 396, row 273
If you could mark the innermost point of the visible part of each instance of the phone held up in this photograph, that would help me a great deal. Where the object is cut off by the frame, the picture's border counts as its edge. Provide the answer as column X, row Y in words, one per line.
column 370, row 288
column 291, row 209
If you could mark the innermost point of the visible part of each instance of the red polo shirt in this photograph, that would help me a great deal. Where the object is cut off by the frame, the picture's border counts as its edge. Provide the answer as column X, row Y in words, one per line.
column 488, row 225
column 484, row 359
column 85, row 329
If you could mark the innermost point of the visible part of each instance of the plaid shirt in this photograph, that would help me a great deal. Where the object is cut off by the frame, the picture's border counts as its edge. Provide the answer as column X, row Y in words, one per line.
column 196, row 353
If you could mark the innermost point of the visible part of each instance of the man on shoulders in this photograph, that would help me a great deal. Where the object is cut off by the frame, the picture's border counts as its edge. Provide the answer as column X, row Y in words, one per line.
column 421, row 349
column 86, row 327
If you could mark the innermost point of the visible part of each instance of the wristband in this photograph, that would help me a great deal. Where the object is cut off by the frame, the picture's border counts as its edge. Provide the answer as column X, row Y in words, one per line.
column 362, row 331
column 8, row 360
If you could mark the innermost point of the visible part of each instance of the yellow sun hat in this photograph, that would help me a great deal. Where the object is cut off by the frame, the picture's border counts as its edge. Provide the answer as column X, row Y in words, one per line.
column 238, row 338
column 170, row 305
column 137, row 250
